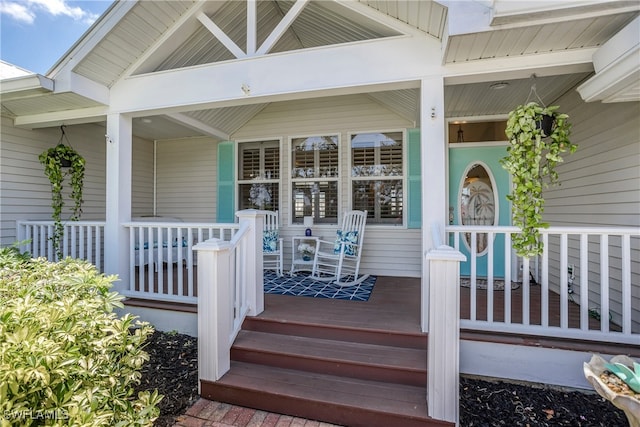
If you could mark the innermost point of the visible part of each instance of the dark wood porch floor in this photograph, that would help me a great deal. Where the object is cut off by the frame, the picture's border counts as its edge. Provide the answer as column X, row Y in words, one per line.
column 395, row 306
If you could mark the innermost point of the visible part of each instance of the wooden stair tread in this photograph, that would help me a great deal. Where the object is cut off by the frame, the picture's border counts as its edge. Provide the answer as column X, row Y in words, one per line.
column 335, row 332
column 371, row 395
column 409, row 359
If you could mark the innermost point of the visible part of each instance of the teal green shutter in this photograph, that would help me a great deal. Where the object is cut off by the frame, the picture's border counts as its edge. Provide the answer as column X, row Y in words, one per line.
column 226, row 184
column 414, row 173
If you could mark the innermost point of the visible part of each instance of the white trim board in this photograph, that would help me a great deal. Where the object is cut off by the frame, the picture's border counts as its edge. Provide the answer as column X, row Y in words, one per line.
column 524, row 363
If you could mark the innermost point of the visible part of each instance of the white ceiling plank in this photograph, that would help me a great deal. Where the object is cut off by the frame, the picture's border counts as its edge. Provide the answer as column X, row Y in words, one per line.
column 289, row 74
column 197, row 125
column 167, row 43
column 380, row 17
column 221, row 35
column 282, row 27
column 65, row 117
column 509, row 12
column 92, row 37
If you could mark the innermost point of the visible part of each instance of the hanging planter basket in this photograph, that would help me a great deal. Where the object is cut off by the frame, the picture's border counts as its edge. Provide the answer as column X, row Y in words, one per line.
column 59, row 162
column 538, row 136
column 546, row 124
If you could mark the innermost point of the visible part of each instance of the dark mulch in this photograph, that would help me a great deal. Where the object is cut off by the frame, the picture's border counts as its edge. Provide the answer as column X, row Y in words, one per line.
column 173, row 370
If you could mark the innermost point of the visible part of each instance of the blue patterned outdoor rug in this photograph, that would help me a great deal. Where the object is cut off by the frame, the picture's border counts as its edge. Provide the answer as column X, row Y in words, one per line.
column 303, row 285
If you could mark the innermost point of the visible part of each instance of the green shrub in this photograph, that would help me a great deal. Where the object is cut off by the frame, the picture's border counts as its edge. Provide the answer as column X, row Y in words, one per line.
column 65, row 357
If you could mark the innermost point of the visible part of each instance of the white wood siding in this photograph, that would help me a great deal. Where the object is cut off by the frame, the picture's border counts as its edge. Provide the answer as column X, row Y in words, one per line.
column 142, row 177
column 186, row 179
column 389, row 250
column 26, row 191
column 600, row 187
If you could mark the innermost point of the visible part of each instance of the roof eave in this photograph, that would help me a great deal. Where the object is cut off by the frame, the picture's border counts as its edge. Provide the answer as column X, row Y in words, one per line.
column 20, row 87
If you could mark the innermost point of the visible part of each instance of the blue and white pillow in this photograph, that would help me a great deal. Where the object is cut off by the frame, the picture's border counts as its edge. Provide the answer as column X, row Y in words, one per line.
column 349, row 238
column 270, row 241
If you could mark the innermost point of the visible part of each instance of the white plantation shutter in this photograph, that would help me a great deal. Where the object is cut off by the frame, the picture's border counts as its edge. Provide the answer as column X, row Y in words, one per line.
column 259, row 175
column 377, row 174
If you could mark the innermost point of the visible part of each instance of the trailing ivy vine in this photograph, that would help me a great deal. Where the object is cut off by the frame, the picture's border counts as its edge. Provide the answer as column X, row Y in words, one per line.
column 531, row 160
column 53, row 160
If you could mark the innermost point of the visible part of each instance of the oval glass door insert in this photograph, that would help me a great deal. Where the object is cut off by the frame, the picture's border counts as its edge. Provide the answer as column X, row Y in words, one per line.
column 477, row 202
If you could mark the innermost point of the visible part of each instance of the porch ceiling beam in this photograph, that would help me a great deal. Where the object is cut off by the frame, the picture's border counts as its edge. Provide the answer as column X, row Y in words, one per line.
column 546, row 64
column 290, row 75
column 282, row 27
column 197, row 125
column 252, row 27
column 66, row 117
column 72, row 82
column 221, row 35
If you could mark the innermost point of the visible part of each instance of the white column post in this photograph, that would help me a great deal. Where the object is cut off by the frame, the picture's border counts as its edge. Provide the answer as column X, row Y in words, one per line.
column 215, row 305
column 443, row 348
column 253, row 261
column 434, row 175
column 118, row 197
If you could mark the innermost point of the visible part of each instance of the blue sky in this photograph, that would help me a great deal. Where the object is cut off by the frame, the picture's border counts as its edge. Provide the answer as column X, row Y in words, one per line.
column 34, row 34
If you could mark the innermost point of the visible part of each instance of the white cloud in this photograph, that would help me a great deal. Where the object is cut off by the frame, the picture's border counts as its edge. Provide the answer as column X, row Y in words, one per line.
column 26, row 10
column 17, row 11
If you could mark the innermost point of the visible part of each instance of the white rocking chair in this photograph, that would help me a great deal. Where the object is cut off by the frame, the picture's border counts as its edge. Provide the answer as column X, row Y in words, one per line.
column 340, row 259
column 272, row 244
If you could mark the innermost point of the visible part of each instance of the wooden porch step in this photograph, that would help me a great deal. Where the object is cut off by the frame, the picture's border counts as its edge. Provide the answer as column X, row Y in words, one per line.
column 344, row 375
column 335, row 399
column 349, row 359
column 336, row 332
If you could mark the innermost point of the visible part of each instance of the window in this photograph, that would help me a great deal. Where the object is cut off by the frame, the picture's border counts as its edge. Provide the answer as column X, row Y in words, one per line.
column 259, row 175
column 314, row 178
column 377, row 176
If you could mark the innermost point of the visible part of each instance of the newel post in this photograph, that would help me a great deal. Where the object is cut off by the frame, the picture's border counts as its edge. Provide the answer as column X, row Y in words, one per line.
column 444, row 333
column 215, row 309
column 253, row 259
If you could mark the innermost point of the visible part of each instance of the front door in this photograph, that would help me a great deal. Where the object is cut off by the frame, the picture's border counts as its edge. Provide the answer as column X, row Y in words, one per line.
column 478, row 186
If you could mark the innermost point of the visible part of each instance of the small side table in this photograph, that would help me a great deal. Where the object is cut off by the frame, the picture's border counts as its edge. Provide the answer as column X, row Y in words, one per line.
column 297, row 262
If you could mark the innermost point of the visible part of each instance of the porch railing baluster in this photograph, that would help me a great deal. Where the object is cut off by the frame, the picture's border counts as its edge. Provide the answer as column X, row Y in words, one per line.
column 507, row 278
column 626, row 284
column 474, row 266
column 584, row 282
column 564, row 284
column 544, row 283
column 604, row 282
column 490, row 277
column 526, row 292
column 601, row 303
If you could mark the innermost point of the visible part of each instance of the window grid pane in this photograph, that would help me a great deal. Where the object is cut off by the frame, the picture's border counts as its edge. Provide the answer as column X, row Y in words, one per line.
column 272, row 162
column 259, row 174
column 377, row 157
column 250, row 164
column 313, row 158
column 318, row 199
column 260, row 195
column 383, row 199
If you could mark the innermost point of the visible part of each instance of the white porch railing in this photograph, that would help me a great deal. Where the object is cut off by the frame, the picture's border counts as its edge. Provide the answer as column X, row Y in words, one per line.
column 231, row 280
column 592, row 270
column 81, row 239
column 161, row 258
